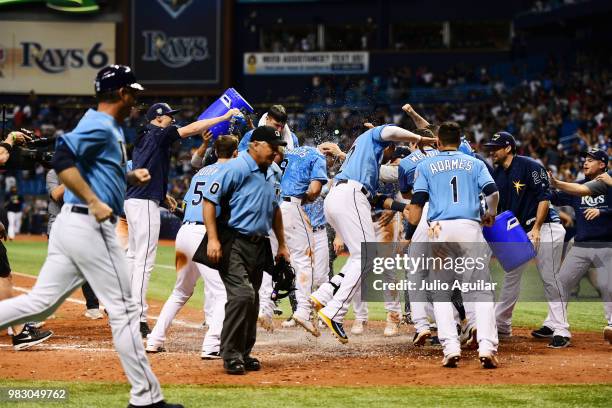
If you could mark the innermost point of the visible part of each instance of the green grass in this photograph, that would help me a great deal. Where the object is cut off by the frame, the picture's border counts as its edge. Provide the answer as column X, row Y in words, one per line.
column 28, row 257
column 96, row 395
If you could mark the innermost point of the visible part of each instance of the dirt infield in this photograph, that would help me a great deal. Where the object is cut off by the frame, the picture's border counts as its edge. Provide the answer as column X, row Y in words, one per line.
column 82, row 350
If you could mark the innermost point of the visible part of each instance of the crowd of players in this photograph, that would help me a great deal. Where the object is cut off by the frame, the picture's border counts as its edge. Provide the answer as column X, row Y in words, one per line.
column 250, row 199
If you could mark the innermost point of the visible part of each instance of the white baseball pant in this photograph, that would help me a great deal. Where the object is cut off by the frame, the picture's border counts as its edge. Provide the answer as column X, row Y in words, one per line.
column 300, row 242
column 143, row 229
column 548, row 262
column 390, row 233
column 14, row 223
column 102, row 264
column 321, row 257
column 468, row 235
column 188, row 272
column 348, row 211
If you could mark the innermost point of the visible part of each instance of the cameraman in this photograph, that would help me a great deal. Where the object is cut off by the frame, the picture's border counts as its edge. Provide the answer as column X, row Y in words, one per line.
column 24, row 336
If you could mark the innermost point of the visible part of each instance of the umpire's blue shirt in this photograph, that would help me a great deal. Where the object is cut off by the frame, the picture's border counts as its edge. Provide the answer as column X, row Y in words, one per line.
column 521, row 188
column 152, row 152
column 241, row 187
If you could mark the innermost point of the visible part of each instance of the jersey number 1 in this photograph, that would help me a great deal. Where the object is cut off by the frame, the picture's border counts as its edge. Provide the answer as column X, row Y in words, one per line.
column 453, row 184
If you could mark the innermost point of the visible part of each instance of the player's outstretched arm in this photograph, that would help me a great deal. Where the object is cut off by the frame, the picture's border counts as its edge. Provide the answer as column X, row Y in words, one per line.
column 606, row 178
column 201, row 125
column 574, row 189
column 398, row 134
column 331, row 149
column 418, row 120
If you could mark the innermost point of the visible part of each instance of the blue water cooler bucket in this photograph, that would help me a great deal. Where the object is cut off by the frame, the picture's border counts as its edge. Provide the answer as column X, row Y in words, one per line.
column 230, row 99
column 508, row 241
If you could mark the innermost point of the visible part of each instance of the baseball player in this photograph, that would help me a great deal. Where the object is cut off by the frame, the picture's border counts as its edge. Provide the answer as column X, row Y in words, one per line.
column 420, row 307
column 347, row 209
column 591, row 244
column 90, row 161
column 188, row 238
column 524, row 189
column 452, row 181
column 304, row 174
column 14, row 208
column 276, row 117
column 152, row 151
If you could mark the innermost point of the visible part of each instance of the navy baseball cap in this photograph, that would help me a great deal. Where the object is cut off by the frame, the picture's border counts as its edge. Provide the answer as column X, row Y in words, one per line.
column 160, row 109
column 400, row 152
column 268, row 134
column 596, row 154
column 501, row 139
column 113, row 77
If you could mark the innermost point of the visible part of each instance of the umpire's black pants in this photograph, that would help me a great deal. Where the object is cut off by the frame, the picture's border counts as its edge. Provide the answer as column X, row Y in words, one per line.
column 242, row 279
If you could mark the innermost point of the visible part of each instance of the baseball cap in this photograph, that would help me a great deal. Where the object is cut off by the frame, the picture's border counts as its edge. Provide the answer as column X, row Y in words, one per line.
column 501, row 139
column 596, row 154
column 400, row 152
column 268, row 134
column 159, row 109
column 113, row 77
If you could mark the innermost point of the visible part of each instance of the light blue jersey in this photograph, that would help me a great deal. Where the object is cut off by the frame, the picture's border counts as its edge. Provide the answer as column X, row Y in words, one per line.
column 248, row 192
column 363, row 160
column 315, row 212
column 277, row 175
column 99, row 147
column 300, row 166
column 195, row 195
column 407, row 166
column 244, row 142
column 453, row 181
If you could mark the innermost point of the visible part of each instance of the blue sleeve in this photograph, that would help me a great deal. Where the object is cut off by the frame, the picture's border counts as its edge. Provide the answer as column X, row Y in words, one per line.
column 244, row 142
column 537, row 181
column 220, row 184
column 401, row 179
column 296, row 142
column 319, row 169
column 420, row 179
column 484, row 177
column 377, row 133
column 86, row 145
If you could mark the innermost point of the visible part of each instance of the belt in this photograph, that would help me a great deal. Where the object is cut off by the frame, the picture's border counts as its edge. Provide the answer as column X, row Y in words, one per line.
column 85, row 211
column 319, row 228
column 80, row 210
column 255, row 239
column 363, row 189
column 193, row 223
column 295, row 200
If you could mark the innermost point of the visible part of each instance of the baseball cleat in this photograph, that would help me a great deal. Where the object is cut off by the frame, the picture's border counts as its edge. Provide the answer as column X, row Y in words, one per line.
column 315, row 303
column 151, row 348
column 288, row 323
column 307, row 325
column 93, row 314
column 543, row 332
column 358, row 327
column 30, row 336
column 488, row 360
column 393, row 323
column 559, row 342
column 252, row 364
column 335, row 327
column 215, row 355
column 451, row 360
column 234, row 367
column 266, row 322
column 160, row 404
column 420, row 338
column 608, row 334
column 469, row 338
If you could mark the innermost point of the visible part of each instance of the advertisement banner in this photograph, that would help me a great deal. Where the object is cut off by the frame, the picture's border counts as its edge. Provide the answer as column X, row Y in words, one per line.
column 54, row 58
column 177, row 43
column 306, row 63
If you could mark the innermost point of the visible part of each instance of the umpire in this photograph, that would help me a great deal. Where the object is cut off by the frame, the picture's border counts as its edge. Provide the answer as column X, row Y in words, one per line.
column 524, row 189
column 238, row 245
